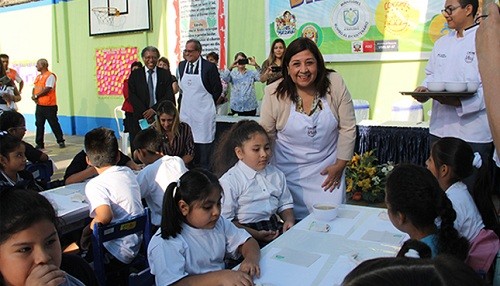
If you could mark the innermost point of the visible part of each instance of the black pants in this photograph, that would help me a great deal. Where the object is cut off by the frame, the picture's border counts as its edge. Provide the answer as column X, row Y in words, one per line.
column 202, row 155
column 47, row 113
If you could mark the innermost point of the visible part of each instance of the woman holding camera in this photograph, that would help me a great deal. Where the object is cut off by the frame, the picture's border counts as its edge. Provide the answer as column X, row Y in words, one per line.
column 310, row 117
column 271, row 68
column 243, row 100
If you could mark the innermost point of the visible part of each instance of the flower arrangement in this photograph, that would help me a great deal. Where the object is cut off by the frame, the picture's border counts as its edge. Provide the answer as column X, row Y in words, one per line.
column 365, row 179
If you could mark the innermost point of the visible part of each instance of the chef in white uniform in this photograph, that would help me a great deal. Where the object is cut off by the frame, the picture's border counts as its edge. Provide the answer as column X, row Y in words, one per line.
column 201, row 87
column 310, row 116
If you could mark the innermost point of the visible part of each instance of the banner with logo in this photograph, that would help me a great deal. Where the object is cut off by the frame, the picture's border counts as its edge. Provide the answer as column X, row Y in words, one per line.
column 360, row 30
column 204, row 20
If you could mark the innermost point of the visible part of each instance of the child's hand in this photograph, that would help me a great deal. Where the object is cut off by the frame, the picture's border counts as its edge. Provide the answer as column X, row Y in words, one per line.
column 287, row 225
column 266, row 235
column 45, row 274
column 231, row 277
column 250, row 267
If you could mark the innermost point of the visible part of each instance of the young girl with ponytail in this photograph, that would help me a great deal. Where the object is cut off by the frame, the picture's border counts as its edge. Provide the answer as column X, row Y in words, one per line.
column 414, row 200
column 451, row 160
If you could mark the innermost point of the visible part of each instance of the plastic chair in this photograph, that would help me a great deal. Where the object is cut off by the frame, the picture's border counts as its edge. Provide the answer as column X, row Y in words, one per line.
column 120, row 114
column 143, row 278
column 361, row 109
column 223, row 109
column 102, row 234
column 407, row 110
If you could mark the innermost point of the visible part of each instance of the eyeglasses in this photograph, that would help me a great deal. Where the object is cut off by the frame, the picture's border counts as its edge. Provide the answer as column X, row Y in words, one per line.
column 23, row 128
column 189, row 51
column 449, row 10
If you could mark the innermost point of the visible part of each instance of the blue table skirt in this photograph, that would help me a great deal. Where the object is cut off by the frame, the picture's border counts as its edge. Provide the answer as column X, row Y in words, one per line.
column 395, row 144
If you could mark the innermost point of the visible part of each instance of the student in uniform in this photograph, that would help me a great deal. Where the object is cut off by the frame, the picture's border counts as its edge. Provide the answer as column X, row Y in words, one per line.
column 160, row 170
column 254, row 191
column 414, row 200
column 190, row 246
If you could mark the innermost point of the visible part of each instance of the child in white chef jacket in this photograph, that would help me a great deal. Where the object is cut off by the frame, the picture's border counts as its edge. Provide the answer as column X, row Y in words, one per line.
column 190, row 246
column 160, row 170
column 254, row 191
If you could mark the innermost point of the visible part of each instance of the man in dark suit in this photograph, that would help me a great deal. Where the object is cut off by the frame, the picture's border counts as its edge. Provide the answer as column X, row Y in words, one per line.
column 201, row 87
column 148, row 87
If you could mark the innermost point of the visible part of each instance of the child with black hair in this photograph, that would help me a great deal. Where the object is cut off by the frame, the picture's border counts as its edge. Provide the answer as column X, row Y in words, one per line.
column 414, row 200
column 451, row 161
column 30, row 251
column 160, row 170
column 190, row 246
column 254, row 191
column 14, row 123
column 13, row 164
column 114, row 194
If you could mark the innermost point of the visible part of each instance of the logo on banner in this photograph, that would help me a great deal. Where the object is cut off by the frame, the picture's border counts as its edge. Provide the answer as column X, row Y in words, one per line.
column 350, row 19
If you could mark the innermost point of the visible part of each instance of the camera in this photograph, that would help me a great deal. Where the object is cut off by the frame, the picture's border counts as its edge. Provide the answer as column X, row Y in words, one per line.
column 275, row 69
column 243, row 61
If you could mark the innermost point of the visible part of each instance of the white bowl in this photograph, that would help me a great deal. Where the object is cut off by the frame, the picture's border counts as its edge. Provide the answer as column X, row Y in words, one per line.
column 324, row 211
column 455, row 86
column 472, row 86
column 435, row 86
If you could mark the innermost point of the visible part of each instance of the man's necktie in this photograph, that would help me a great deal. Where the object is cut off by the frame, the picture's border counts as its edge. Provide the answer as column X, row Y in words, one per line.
column 191, row 68
column 151, row 88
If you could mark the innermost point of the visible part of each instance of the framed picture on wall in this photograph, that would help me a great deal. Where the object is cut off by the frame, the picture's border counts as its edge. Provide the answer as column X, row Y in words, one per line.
column 118, row 16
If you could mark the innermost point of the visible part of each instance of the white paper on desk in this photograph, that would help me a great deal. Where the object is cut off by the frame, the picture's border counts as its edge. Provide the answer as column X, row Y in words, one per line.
column 378, row 228
column 296, row 257
column 339, row 271
column 275, row 272
column 64, row 205
column 341, row 225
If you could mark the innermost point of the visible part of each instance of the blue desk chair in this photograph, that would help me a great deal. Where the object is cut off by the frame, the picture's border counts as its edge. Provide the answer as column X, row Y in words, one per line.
column 143, row 278
column 103, row 233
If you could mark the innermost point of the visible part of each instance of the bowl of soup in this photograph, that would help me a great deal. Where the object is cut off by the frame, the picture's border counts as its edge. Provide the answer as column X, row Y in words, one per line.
column 325, row 211
column 435, row 86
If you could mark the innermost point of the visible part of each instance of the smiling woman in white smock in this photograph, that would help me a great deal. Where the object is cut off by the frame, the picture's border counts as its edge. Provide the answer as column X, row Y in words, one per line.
column 310, row 117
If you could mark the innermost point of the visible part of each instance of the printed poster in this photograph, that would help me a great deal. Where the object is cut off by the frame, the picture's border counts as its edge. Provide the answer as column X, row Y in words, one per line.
column 112, row 68
column 360, row 30
column 204, row 20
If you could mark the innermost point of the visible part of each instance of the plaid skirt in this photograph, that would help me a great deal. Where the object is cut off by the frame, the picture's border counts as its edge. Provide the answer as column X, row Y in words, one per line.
column 271, row 224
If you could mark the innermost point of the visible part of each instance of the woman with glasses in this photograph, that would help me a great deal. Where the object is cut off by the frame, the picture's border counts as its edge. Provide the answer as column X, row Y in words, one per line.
column 454, row 59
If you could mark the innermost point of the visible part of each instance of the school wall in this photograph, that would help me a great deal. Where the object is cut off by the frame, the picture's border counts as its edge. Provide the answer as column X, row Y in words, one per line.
column 60, row 33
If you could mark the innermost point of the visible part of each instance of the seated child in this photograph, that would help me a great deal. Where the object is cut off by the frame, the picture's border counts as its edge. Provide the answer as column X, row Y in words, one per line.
column 254, row 191
column 452, row 160
column 443, row 270
column 14, row 123
column 114, row 194
column 414, row 200
column 30, row 251
column 79, row 170
column 13, row 163
column 159, row 172
column 190, row 246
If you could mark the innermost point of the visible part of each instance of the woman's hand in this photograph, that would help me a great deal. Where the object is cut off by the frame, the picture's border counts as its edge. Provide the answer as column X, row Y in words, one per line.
column 251, row 61
column 421, row 99
column 45, row 274
column 287, row 225
column 333, row 175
